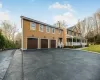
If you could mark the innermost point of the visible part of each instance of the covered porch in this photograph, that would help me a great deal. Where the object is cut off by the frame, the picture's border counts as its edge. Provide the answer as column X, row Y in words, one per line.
column 76, row 41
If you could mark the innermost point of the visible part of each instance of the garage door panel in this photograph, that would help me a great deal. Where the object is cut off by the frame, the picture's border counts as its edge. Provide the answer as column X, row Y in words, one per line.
column 44, row 43
column 32, row 43
column 53, row 43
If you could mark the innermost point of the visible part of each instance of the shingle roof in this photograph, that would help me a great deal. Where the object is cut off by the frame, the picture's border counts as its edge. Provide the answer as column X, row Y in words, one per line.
column 26, row 18
column 71, row 28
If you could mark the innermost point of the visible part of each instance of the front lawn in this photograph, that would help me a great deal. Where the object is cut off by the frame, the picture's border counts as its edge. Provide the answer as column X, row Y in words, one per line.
column 94, row 48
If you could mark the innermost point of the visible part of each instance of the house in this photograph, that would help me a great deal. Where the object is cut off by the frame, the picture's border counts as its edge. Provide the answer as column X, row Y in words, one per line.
column 39, row 35
column 74, row 37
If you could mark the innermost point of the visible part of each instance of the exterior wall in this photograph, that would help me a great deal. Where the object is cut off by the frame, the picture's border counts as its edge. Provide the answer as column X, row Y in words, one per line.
column 27, row 32
column 77, row 34
column 64, row 36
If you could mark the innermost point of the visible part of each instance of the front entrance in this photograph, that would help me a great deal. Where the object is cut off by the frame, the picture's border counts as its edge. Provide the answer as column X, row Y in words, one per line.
column 60, row 40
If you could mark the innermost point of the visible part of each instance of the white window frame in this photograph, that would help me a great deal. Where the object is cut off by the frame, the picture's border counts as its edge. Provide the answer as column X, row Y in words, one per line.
column 47, row 29
column 40, row 28
column 54, row 30
column 32, row 27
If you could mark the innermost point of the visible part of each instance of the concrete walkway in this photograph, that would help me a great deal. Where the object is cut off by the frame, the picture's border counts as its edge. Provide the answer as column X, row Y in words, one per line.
column 14, row 71
column 5, row 58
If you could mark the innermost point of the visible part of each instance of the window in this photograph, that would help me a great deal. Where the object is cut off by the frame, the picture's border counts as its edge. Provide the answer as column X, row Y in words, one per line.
column 70, row 32
column 33, row 25
column 74, row 33
column 41, row 28
column 47, row 29
column 53, row 30
column 59, row 31
column 67, row 32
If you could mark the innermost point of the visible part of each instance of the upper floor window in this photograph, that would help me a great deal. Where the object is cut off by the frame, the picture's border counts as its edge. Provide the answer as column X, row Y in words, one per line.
column 41, row 28
column 47, row 29
column 53, row 30
column 59, row 31
column 70, row 32
column 74, row 33
column 67, row 32
column 32, row 25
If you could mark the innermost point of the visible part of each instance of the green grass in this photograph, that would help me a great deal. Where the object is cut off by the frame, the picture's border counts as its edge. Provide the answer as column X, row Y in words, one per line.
column 94, row 48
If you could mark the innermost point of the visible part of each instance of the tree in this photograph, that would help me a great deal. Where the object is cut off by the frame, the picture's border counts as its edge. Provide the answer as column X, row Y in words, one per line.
column 9, row 30
column 2, row 41
column 60, row 24
column 97, row 20
column 18, row 40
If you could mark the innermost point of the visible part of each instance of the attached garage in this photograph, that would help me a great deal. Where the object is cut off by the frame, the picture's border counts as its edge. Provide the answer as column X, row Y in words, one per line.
column 53, row 43
column 44, row 43
column 32, row 43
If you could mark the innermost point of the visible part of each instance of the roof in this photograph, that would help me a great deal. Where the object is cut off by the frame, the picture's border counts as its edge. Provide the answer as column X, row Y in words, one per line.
column 71, row 28
column 29, row 19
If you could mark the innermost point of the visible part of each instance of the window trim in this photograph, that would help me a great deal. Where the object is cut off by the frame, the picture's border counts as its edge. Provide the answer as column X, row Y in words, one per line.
column 31, row 26
column 47, row 30
column 54, row 30
column 42, row 27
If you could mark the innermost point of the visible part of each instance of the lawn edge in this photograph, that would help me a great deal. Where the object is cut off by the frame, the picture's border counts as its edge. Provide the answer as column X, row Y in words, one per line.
column 83, row 50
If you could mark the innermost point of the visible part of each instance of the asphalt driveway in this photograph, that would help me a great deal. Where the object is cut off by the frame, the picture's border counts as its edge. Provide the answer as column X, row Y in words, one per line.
column 61, row 64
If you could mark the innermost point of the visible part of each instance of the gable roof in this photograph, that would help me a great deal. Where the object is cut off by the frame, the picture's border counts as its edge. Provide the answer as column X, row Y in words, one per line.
column 33, row 20
column 72, row 28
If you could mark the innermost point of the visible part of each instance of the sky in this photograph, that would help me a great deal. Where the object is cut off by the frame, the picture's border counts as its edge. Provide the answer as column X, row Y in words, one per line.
column 48, row 11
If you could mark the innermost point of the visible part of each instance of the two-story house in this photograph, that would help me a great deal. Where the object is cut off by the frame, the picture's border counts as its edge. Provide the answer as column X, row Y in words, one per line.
column 38, row 35
column 74, row 37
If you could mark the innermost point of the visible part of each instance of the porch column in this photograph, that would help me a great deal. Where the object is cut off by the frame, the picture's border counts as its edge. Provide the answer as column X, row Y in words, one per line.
column 76, row 42
column 86, row 41
column 72, row 41
column 82, row 42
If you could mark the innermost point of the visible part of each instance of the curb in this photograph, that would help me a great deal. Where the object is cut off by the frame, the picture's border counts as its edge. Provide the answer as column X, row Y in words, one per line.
column 90, row 51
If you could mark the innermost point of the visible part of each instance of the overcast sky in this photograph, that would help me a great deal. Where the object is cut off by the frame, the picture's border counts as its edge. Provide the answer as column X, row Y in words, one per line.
column 48, row 11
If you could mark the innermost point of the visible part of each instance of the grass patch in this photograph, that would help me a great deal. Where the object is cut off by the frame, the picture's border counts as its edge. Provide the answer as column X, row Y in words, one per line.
column 94, row 48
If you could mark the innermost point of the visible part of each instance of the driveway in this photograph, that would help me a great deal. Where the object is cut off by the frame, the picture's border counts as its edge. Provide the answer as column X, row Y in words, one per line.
column 61, row 64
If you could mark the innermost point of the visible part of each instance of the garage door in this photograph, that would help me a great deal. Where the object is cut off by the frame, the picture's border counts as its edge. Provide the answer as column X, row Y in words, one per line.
column 32, row 43
column 53, row 43
column 44, row 43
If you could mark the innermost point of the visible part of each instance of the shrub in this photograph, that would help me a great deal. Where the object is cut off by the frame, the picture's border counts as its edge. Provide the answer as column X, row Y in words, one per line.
column 2, row 41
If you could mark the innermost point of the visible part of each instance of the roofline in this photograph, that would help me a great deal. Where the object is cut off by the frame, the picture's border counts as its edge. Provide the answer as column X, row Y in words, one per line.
column 30, row 19
column 73, row 31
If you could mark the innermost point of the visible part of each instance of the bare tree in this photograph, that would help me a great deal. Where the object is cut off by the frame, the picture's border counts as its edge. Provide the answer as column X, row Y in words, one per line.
column 97, row 20
column 9, row 30
column 18, row 39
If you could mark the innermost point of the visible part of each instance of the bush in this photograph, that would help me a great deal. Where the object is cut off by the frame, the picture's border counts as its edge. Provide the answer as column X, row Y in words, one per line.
column 98, row 39
column 73, row 46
